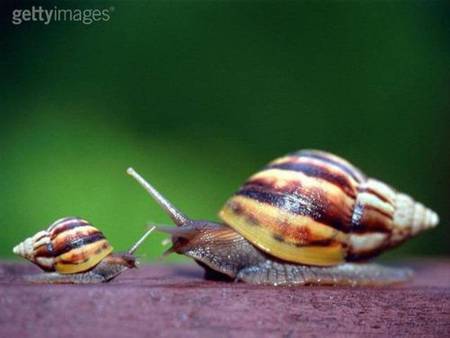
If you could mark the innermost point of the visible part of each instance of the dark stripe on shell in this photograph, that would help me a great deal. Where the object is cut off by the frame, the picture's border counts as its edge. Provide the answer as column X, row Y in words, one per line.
column 44, row 250
column 296, row 204
column 68, row 219
column 300, row 234
column 67, row 224
column 314, row 205
column 323, row 242
column 367, row 218
column 375, row 193
column 314, row 170
column 349, row 169
column 45, row 267
column 76, row 242
column 75, row 260
column 365, row 255
column 373, row 208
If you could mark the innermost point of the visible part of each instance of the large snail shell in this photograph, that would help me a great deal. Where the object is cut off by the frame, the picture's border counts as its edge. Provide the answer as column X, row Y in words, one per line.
column 312, row 207
column 69, row 245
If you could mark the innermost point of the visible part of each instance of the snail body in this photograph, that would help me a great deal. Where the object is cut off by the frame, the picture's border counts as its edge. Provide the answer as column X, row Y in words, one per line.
column 71, row 250
column 309, row 217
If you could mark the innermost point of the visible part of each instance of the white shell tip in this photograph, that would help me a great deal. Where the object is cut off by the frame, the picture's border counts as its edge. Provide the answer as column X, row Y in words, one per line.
column 434, row 219
column 25, row 248
column 16, row 250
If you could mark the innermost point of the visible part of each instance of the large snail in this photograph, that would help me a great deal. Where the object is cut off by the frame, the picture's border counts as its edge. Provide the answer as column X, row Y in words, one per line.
column 309, row 217
column 73, row 251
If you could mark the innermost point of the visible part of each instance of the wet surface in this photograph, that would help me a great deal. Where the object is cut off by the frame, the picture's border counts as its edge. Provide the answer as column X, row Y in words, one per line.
column 175, row 301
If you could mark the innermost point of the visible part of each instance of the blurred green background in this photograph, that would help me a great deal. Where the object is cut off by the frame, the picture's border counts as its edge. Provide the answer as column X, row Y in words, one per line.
column 199, row 95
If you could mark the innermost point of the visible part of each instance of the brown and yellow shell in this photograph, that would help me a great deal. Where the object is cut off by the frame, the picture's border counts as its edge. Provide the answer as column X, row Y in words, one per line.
column 69, row 245
column 312, row 207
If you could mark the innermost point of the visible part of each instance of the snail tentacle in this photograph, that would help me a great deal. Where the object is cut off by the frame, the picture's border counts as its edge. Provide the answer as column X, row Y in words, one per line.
column 141, row 240
column 176, row 215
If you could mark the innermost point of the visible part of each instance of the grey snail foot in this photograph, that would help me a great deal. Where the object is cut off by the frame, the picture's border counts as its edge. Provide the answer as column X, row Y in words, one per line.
column 57, row 278
column 103, row 272
column 350, row 274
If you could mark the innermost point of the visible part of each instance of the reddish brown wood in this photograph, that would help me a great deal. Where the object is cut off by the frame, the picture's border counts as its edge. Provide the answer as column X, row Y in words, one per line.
column 175, row 301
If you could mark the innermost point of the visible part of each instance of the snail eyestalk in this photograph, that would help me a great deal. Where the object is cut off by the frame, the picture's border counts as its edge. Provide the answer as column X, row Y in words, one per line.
column 177, row 216
column 140, row 241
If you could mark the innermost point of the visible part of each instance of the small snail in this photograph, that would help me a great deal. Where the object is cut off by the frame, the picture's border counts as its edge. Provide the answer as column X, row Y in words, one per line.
column 71, row 250
column 309, row 217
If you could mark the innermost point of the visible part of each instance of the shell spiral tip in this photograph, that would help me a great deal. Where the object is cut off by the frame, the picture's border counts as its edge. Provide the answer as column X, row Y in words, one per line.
column 16, row 250
column 434, row 219
column 22, row 249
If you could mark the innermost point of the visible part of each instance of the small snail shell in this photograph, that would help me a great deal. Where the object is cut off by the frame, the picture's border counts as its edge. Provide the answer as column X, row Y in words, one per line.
column 69, row 245
column 299, row 221
column 71, row 250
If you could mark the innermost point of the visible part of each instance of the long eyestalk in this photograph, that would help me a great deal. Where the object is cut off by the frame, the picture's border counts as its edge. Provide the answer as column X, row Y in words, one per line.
column 140, row 241
column 177, row 216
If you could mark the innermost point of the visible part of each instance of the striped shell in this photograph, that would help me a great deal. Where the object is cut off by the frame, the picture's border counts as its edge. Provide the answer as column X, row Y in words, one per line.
column 69, row 245
column 315, row 208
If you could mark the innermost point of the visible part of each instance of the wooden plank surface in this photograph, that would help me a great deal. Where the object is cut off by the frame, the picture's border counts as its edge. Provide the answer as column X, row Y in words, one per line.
column 175, row 301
